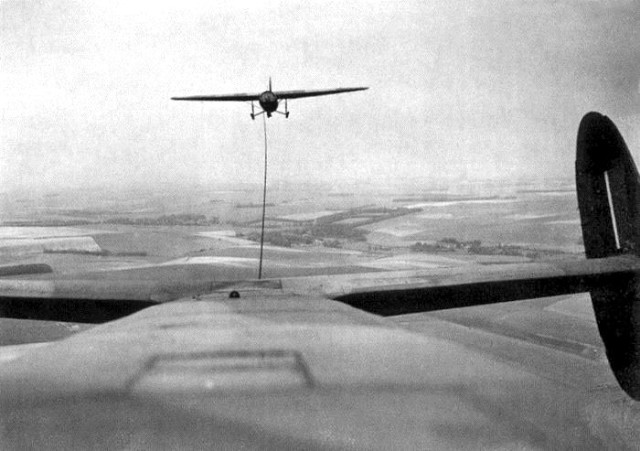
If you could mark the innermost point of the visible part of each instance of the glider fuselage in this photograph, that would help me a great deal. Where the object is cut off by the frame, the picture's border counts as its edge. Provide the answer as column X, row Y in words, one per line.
column 268, row 101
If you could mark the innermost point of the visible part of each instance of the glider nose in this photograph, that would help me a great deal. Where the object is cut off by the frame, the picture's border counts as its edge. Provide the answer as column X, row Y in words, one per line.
column 268, row 101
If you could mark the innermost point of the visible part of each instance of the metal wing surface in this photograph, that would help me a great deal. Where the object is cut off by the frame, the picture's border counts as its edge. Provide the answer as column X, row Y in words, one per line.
column 274, row 369
column 314, row 93
column 282, row 368
column 240, row 97
column 402, row 292
column 382, row 293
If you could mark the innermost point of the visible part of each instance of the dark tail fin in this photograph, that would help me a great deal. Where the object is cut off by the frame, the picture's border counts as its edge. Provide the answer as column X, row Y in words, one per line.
column 609, row 199
column 608, row 189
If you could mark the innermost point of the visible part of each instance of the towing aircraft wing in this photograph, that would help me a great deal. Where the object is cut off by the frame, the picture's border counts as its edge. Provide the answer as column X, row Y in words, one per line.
column 275, row 370
column 382, row 293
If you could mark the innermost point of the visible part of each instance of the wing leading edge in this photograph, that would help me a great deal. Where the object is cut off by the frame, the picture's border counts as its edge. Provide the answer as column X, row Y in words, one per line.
column 313, row 93
column 243, row 97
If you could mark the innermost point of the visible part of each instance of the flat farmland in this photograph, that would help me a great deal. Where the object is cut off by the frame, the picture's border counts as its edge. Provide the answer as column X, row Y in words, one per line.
column 539, row 220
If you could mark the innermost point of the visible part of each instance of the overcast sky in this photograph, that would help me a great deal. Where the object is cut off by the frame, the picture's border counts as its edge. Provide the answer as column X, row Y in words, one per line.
column 463, row 89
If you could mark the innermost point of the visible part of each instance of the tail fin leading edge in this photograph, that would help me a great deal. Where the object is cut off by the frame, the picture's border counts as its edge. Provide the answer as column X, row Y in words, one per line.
column 608, row 188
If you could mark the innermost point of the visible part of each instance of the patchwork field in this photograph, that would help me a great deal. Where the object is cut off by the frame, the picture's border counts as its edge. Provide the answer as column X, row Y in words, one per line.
column 310, row 231
column 532, row 219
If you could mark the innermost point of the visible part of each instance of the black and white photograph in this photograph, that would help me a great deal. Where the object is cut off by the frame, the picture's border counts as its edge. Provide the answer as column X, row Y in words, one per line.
column 319, row 224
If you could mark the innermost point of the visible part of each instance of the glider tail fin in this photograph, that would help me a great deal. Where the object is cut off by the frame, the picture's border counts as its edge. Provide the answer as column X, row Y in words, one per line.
column 270, row 88
column 608, row 188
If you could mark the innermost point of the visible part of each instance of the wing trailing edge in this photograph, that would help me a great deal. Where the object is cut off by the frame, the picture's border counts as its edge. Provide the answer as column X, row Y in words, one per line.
column 397, row 293
column 221, row 98
column 86, row 300
column 27, row 268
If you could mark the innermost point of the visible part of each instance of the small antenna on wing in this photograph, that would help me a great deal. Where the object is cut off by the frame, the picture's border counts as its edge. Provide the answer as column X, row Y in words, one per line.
column 270, row 84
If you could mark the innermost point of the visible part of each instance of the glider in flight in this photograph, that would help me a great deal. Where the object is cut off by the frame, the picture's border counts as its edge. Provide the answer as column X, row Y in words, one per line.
column 269, row 99
column 316, row 362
